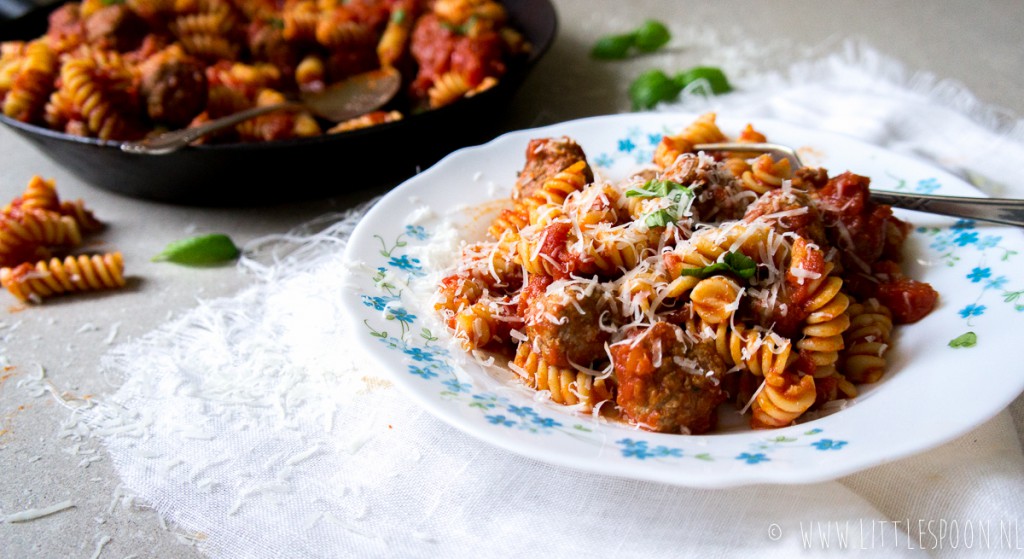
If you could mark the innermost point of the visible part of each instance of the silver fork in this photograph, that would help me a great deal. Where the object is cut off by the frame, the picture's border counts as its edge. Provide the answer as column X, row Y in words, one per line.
column 1007, row 211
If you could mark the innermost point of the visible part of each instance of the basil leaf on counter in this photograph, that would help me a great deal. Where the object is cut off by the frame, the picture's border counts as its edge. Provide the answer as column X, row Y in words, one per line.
column 654, row 86
column 649, row 37
column 651, row 88
column 612, row 47
column 714, row 76
column 203, row 249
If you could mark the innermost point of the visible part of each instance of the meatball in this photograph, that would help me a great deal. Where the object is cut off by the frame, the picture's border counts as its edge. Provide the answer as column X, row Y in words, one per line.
column 65, row 25
column 174, row 87
column 719, row 196
column 115, row 27
column 860, row 224
column 266, row 42
column 667, row 383
column 803, row 217
column 546, row 157
column 565, row 324
column 810, row 178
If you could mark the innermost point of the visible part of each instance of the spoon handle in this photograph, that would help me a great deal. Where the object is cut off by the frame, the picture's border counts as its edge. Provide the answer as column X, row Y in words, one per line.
column 172, row 141
column 1007, row 211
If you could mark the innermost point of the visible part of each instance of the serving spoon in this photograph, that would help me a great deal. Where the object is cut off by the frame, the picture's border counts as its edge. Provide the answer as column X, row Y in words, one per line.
column 1007, row 211
column 349, row 98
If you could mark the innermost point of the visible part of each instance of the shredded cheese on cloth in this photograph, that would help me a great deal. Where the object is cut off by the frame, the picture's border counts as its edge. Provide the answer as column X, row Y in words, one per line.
column 249, row 420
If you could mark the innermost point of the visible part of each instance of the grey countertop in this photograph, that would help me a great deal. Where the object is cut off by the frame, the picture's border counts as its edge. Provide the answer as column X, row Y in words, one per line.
column 978, row 45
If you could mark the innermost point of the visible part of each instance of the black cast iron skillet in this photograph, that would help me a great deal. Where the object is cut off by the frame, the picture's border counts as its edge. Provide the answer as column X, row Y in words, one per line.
column 288, row 170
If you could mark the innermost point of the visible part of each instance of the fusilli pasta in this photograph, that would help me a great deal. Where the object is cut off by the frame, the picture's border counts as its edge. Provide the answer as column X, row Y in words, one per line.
column 34, row 228
column 33, row 283
column 712, row 279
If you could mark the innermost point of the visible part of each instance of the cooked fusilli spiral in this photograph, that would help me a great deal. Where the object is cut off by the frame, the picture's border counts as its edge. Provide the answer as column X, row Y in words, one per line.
column 565, row 385
column 782, row 399
column 24, row 232
column 365, row 121
column 40, row 194
column 765, row 174
column 737, row 162
column 94, row 92
column 448, row 88
column 553, row 192
column 703, row 130
column 32, row 84
column 33, row 283
column 826, row 322
column 746, row 349
column 715, row 299
column 867, row 340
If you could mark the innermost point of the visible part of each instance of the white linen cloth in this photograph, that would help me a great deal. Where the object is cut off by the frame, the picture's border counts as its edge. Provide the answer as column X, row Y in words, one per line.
column 253, row 424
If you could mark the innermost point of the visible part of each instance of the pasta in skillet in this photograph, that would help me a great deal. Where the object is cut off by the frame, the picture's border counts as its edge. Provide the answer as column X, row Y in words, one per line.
column 702, row 280
column 122, row 70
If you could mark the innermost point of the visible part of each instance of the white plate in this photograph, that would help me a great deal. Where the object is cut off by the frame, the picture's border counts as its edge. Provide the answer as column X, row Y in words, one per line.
column 931, row 393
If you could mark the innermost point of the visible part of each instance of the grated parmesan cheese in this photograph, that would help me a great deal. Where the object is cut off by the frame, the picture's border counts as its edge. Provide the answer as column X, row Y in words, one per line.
column 37, row 513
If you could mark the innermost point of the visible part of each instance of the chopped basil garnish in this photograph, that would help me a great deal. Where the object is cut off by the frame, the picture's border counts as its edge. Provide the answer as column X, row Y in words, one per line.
column 460, row 29
column 680, row 198
column 659, row 218
column 655, row 189
column 733, row 263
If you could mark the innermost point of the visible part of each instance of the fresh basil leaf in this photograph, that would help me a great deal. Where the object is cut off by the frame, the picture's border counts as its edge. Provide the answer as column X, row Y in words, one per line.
column 612, row 47
column 656, row 189
column 733, row 263
column 741, row 264
column 706, row 271
column 714, row 76
column 651, row 88
column 203, row 249
column 651, row 36
column 659, row 218
column 969, row 339
column 641, row 193
column 679, row 196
